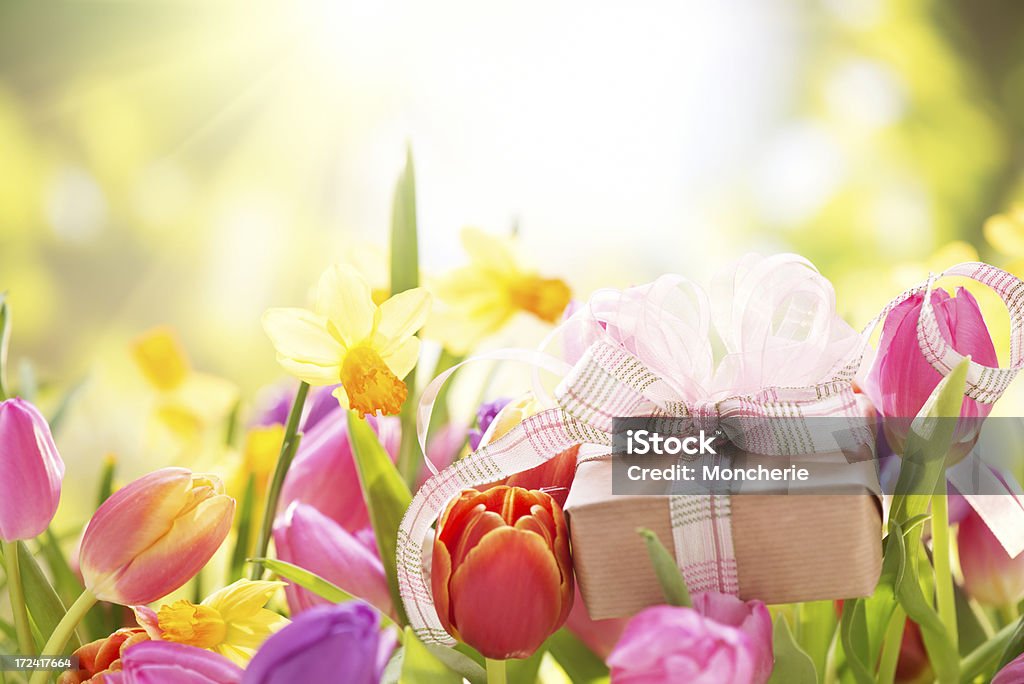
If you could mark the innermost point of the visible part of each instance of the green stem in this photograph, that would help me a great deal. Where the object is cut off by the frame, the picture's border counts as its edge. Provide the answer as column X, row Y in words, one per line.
column 945, row 597
column 1009, row 613
column 975, row 662
column 17, row 592
column 65, row 628
column 891, row 647
column 495, row 671
column 289, row 446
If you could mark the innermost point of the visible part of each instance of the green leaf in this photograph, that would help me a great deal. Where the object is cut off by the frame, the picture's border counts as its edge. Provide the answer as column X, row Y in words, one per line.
column 306, row 579
column 924, row 458
column 792, row 664
column 44, row 605
column 66, row 583
column 578, row 661
column 853, row 633
column 941, row 652
column 106, row 480
column 420, row 666
column 1014, row 647
column 243, row 536
column 386, row 495
column 405, row 262
column 673, row 585
column 817, row 627
column 68, row 398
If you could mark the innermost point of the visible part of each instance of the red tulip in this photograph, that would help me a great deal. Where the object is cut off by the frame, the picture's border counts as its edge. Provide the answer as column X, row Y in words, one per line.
column 502, row 573
column 901, row 379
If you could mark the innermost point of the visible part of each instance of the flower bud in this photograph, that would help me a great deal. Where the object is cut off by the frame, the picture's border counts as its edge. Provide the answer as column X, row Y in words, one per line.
column 154, row 535
column 901, row 379
column 335, row 643
column 502, row 573
column 32, row 471
column 990, row 575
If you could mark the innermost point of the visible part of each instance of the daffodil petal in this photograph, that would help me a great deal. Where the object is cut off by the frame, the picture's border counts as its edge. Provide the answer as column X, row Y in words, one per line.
column 342, row 397
column 302, row 336
column 401, row 316
column 489, row 251
column 345, row 299
column 307, row 372
column 403, row 358
column 242, row 599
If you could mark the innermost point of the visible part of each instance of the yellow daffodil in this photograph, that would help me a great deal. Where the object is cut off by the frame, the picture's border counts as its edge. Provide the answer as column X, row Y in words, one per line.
column 187, row 400
column 258, row 459
column 232, row 622
column 348, row 338
column 482, row 296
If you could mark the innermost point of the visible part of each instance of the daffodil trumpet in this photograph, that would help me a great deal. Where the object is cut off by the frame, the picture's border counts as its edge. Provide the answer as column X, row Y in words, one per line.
column 289, row 446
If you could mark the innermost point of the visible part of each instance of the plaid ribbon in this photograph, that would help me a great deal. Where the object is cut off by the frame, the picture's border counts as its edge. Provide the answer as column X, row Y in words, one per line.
column 610, row 382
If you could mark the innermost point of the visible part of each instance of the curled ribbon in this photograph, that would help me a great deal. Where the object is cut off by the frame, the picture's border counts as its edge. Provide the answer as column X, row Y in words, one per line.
column 645, row 351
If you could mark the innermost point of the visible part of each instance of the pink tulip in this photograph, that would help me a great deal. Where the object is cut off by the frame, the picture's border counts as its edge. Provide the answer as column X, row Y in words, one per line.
column 324, row 474
column 307, row 538
column 32, row 471
column 990, row 575
column 750, row 617
column 901, row 379
column 165, row 662
column 1013, row 673
column 665, row 644
column 154, row 535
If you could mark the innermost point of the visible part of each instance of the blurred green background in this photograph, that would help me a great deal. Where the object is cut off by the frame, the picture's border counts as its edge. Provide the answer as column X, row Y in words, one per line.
column 192, row 163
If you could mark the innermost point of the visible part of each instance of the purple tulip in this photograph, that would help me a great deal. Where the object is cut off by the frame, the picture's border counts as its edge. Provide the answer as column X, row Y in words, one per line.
column 166, row 662
column 901, row 379
column 663, row 644
column 324, row 473
column 485, row 415
column 336, row 643
column 319, row 404
column 32, row 471
column 307, row 538
column 1013, row 673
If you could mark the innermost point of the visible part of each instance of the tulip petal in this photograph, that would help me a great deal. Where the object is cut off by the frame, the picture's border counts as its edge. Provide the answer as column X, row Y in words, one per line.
column 345, row 299
column 311, row 540
column 524, row 613
column 970, row 334
column 131, row 520
column 32, row 471
column 165, row 662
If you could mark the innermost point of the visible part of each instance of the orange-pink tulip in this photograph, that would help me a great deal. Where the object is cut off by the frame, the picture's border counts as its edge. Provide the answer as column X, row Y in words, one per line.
column 154, row 535
column 502, row 573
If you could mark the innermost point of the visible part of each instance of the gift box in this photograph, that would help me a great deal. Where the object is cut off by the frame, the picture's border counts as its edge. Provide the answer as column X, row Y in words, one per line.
column 787, row 547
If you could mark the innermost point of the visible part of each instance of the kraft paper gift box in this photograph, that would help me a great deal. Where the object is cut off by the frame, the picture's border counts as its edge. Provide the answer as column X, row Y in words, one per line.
column 788, row 548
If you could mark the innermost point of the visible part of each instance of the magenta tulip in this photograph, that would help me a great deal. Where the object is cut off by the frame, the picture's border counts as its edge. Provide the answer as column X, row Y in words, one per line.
column 901, row 379
column 666, row 644
column 165, row 662
column 324, row 474
column 1013, row 673
column 307, row 538
column 32, row 471
column 990, row 575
